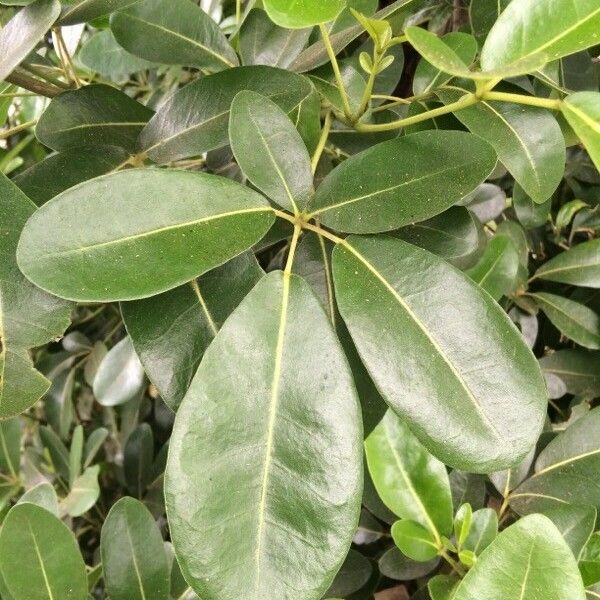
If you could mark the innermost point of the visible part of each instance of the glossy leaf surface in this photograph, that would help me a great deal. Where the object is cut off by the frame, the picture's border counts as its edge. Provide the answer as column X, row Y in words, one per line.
column 134, row 561
column 579, row 266
column 174, row 226
column 306, row 13
column 529, row 560
column 292, row 452
column 582, row 111
column 417, row 177
column 414, row 540
column 418, row 344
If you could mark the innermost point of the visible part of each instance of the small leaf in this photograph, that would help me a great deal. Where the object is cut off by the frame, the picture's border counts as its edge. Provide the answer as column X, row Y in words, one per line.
column 120, row 376
column 416, row 178
column 173, row 226
column 181, row 33
column 462, row 523
column 414, row 540
column 582, row 111
column 483, row 531
column 134, row 560
column 39, row 556
column 305, row 14
column 138, row 457
column 20, row 35
column 395, row 565
column 83, row 494
column 270, row 151
column 93, row 444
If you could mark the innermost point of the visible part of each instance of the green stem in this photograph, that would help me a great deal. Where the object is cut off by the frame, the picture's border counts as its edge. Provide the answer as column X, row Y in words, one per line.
column 456, row 566
column 40, row 88
column 46, row 77
column 322, row 141
column 552, row 104
column 364, row 102
column 336, row 71
column 8, row 132
column 466, row 101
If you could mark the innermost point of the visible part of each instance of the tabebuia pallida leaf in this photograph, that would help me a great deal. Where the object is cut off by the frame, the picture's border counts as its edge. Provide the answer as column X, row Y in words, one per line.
column 273, row 408
column 173, row 226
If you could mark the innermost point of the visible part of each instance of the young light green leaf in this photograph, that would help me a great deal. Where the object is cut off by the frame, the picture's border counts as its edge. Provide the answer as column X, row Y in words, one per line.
column 483, row 530
column 565, row 471
column 270, row 151
column 176, row 33
column 296, row 15
column 529, row 30
column 39, row 556
column 574, row 320
column 527, row 560
column 410, row 481
column 134, row 560
column 582, row 111
column 82, row 11
column 195, row 118
column 173, row 226
column 527, row 139
column 94, row 114
column 300, row 417
column 191, row 314
column 395, row 299
column 20, row 35
column 578, row 266
column 417, row 177
column 28, row 316
column 462, row 523
column 414, row 540
column 120, row 376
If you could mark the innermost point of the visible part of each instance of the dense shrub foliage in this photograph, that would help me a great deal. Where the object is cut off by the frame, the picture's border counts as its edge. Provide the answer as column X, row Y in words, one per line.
column 299, row 300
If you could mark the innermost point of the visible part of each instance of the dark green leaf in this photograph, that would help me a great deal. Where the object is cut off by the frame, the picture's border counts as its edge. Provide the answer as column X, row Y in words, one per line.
column 173, row 226
column 354, row 573
column 416, row 177
column 181, row 33
column 589, row 562
column 395, row 565
column 285, row 458
column 138, row 457
column 575, row 522
column 578, row 266
column 81, row 11
column 580, row 370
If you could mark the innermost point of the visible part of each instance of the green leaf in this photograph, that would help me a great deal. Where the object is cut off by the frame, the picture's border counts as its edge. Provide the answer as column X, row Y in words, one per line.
column 530, row 213
column 440, row 587
column 39, row 556
column 195, row 118
column 462, row 523
column 574, row 320
column 285, row 458
column 424, row 329
column 173, row 226
column 410, row 481
column 414, row 540
column 527, row 139
column 529, row 559
column 102, row 53
column 82, row 11
column 264, row 43
column 94, row 115
column 496, row 270
column 58, row 172
column 417, row 177
column 578, row 266
column 580, row 370
column 395, row 565
column 134, row 560
column 138, row 457
column 427, row 77
column 582, row 111
column 28, row 316
column 483, row 14
column 354, row 573
column 270, row 151
column 529, row 31
column 58, row 454
column 120, row 376
column 307, row 13
column 93, row 444
column 44, row 495
column 21, row 34
column 180, row 324
column 575, row 522
column 176, row 33
column 83, row 494
column 446, row 59
column 75, row 454
column 455, row 235
column 10, row 446
column 589, row 562
column 483, row 531
column 566, row 470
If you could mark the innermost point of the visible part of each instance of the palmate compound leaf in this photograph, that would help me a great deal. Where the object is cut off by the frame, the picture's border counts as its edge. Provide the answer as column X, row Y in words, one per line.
column 29, row 317
column 265, row 460
column 402, row 181
column 528, row 561
column 442, row 353
column 172, row 227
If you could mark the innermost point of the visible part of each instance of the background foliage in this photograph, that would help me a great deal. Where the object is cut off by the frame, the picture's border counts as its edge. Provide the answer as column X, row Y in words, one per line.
column 228, row 257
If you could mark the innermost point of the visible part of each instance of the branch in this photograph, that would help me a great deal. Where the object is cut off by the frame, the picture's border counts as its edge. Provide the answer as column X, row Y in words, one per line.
column 27, row 82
